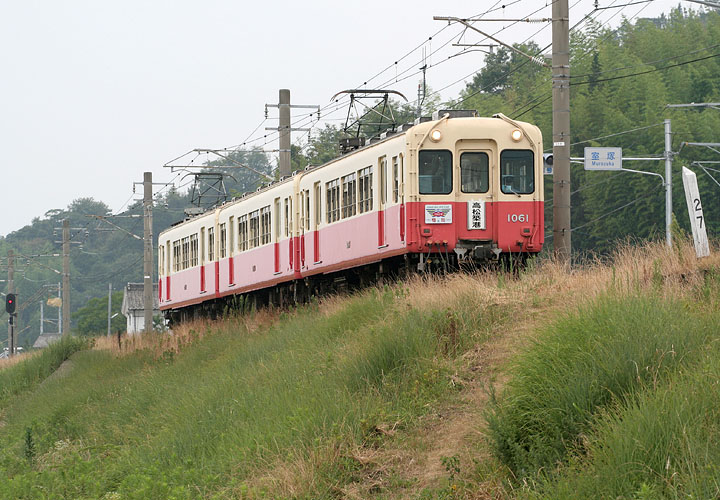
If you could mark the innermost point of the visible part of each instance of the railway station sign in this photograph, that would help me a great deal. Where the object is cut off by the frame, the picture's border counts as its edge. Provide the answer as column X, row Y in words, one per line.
column 603, row 158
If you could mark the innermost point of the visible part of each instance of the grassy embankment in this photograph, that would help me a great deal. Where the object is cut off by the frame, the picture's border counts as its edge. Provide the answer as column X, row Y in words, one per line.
column 385, row 395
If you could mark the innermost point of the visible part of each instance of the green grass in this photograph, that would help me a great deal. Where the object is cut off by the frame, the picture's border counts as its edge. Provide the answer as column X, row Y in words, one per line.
column 28, row 373
column 661, row 444
column 206, row 422
column 601, row 356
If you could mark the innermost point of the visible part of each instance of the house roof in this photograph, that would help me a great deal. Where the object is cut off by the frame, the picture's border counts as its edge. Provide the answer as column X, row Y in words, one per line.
column 134, row 300
column 46, row 339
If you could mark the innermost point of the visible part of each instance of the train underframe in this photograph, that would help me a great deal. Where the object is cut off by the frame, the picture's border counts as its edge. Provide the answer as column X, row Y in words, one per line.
column 469, row 257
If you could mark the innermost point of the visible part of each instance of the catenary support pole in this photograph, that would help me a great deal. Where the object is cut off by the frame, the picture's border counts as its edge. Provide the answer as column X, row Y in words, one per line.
column 66, row 278
column 668, row 182
column 148, row 252
column 284, row 129
column 561, row 129
column 42, row 318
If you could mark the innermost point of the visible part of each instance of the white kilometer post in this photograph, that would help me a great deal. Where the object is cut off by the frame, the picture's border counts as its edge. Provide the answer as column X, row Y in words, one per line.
column 697, row 219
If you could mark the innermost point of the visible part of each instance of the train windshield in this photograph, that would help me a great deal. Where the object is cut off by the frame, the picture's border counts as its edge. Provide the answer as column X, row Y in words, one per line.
column 474, row 172
column 435, row 172
column 516, row 171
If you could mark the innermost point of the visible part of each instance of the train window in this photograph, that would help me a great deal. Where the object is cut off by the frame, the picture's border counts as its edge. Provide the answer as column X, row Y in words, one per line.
column 349, row 195
column 517, row 175
column 307, row 210
column 193, row 250
column 185, row 252
column 231, row 235
column 474, row 173
column 365, row 190
column 176, row 255
column 332, row 191
column 435, row 172
column 254, row 229
column 396, row 179
column 242, row 233
column 211, row 244
column 202, row 246
column 318, row 204
column 161, row 257
column 265, row 225
column 276, row 217
column 382, row 166
column 288, row 217
column 223, row 240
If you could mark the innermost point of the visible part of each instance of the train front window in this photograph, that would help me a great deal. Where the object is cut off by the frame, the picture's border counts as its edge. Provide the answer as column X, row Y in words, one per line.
column 435, row 172
column 517, row 175
column 474, row 172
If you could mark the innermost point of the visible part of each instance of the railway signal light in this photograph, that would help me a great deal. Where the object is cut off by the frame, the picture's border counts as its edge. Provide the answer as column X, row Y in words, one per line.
column 548, row 163
column 10, row 303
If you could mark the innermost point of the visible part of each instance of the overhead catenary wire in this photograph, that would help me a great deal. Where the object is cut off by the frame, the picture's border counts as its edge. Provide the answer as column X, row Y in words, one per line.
column 576, row 59
column 606, row 214
column 269, row 137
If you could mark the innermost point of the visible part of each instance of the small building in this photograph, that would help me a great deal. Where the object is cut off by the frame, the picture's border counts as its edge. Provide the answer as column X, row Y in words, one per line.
column 133, row 306
column 46, row 339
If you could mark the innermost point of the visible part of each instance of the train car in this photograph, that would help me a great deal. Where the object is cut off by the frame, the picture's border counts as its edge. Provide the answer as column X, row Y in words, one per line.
column 453, row 190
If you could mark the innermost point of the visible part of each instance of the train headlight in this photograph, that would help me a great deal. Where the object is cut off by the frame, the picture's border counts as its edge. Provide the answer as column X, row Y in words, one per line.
column 435, row 136
column 516, row 135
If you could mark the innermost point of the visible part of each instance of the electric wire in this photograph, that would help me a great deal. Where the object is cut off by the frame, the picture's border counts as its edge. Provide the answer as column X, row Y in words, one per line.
column 636, row 200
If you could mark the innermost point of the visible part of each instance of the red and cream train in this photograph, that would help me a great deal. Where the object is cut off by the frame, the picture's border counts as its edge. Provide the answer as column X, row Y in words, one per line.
column 439, row 193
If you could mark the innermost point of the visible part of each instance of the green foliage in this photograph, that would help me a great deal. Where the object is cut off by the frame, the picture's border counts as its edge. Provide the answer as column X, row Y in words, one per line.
column 582, row 364
column 240, row 180
column 91, row 319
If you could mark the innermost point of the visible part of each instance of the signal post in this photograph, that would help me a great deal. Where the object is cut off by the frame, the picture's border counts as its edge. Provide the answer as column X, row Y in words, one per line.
column 10, row 300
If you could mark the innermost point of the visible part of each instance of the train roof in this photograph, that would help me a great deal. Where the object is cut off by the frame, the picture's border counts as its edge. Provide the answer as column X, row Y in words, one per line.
column 374, row 141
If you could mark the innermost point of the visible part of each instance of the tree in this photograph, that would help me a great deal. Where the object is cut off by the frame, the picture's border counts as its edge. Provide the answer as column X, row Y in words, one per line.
column 91, row 319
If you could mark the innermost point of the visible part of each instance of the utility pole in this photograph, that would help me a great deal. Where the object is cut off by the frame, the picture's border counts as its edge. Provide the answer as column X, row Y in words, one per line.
column 42, row 317
column 668, row 182
column 148, row 251
column 285, row 128
column 561, row 129
column 66, row 278
column 11, row 289
column 109, row 306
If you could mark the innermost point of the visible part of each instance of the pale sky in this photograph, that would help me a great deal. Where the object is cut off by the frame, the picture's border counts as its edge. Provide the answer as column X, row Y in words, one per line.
column 94, row 93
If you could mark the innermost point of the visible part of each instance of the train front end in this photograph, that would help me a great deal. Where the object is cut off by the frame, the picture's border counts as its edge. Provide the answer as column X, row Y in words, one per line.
column 474, row 190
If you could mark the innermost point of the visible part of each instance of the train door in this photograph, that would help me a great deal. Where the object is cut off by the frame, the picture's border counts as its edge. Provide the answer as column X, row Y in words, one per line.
column 382, row 199
column 276, row 235
column 316, row 222
column 477, row 179
column 304, row 223
column 167, row 270
column 290, row 231
column 202, row 260
column 399, row 191
column 231, row 246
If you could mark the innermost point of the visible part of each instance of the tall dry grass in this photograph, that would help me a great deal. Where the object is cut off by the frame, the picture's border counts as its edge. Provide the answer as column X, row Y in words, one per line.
column 8, row 362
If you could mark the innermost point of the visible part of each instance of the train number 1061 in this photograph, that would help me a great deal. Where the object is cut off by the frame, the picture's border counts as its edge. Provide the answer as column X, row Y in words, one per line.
column 518, row 218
